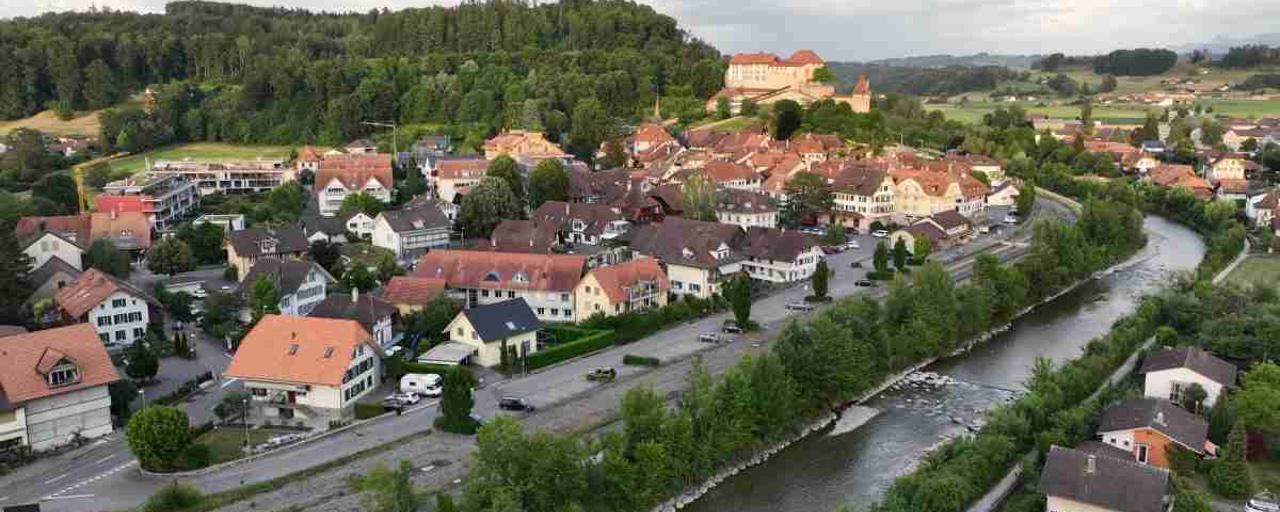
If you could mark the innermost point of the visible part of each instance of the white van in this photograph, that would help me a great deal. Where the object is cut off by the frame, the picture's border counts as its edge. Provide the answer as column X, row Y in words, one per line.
column 424, row 384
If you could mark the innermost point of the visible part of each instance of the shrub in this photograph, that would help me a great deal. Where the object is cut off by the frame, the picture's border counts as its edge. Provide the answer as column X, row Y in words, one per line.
column 635, row 360
column 366, row 411
column 585, row 345
column 397, row 367
column 174, row 498
column 467, row 428
column 638, row 324
column 196, row 456
column 876, row 275
column 1181, row 460
column 1230, row 476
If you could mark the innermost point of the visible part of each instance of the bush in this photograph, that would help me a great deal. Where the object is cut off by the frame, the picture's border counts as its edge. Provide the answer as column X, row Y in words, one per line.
column 635, row 360
column 397, row 367
column 186, row 389
column 174, row 498
column 366, row 411
column 585, row 345
column 638, row 324
column 876, row 275
column 467, row 428
column 1181, row 460
column 196, row 456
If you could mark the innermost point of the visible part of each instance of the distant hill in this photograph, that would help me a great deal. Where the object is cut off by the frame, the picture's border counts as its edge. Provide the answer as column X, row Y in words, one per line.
column 975, row 60
column 1221, row 44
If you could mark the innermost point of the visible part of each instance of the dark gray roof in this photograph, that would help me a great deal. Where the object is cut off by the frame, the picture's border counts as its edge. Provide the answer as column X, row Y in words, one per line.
column 331, row 226
column 41, row 275
column 288, row 240
column 1161, row 415
column 776, row 244
column 950, row 219
column 416, row 219
column 287, row 275
column 668, row 240
column 502, row 320
column 1114, row 484
column 1194, row 359
column 1104, row 449
column 366, row 309
column 734, row 200
column 595, row 217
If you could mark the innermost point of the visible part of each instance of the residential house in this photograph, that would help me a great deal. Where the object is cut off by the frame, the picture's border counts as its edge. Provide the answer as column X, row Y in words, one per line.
column 1154, row 147
column 733, row 175
column 625, row 191
column 670, row 198
column 978, row 164
column 305, row 368
column 489, row 328
column 582, row 223
column 814, row 148
column 299, row 284
column 453, row 175
column 1146, row 427
column 527, row 147
column 779, row 256
column 650, row 144
column 745, row 209
column 1261, row 208
column 624, row 287
column 362, row 147
column 1080, row 481
column 352, row 173
column 431, row 146
column 1139, row 162
column 164, row 199
column 545, row 281
column 128, row 231
column 411, row 232
column 119, row 311
column 862, row 194
column 53, row 388
column 360, row 224
column 1004, row 194
column 942, row 229
column 323, row 229
column 1180, row 176
column 526, row 236
column 308, row 159
column 409, row 294
column 223, row 177
column 374, row 315
column 697, row 256
column 55, row 274
column 921, row 192
column 244, row 247
column 1171, row 371
column 41, row 246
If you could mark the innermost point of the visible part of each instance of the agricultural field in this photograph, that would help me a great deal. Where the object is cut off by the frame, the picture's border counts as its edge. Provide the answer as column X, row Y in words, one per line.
column 1114, row 114
column 85, row 123
column 202, row 151
column 1257, row 269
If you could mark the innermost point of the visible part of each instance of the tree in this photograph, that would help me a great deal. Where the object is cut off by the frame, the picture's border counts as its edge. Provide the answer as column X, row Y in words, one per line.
column 787, row 117
column 808, row 194
column 923, row 246
column 360, row 202
column 232, row 405
column 141, row 361
column 157, row 436
column 265, row 299
column 698, row 195
column 387, row 267
column 823, row 75
column 833, row 235
column 722, row 108
column 748, row 108
column 1249, row 145
column 205, row 240
column 456, row 402
column 59, row 189
column 1108, row 84
column 358, row 277
column 506, row 169
column 880, row 260
column 1211, row 133
column 589, row 128
column 900, row 253
column 169, row 256
column 1257, row 404
column 286, row 202
column 325, row 254
column 1026, row 199
column 821, row 275
column 615, row 153
column 1151, row 128
column 1193, row 398
column 738, row 291
column 486, row 205
column 1230, row 476
column 104, row 256
column 385, row 490
column 14, row 287
column 97, row 175
column 413, row 184
column 430, row 321
column 548, row 182
column 122, row 393
column 1188, row 499
column 173, row 497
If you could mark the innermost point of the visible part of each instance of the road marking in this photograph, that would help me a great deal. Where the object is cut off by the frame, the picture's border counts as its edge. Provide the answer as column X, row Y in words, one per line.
column 104, row 459
column 58, row 495
column 70, row 497
column 56, row 478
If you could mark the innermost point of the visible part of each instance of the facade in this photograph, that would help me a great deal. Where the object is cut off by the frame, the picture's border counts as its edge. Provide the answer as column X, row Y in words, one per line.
column 451, row 175
column 734, row 175
column 921, row 192
column 1146, row 427
column 239, row 177
column 409, row 294
column 764, row 78
column 634, row 285
column 487, row 329
column 697, row 256
column 779, row 256
column 164, row 198
column 1169, row 372
column 411, row 232
column 745, row 209
column 1080, row 481
column 1004, row 194
column 304, row 368
column 862, row 195
column 53, row 388
column 127, row 231
column 526, row 147
column 244, row 247
column 582, row 223
column 300, row 284
column 119, row 311
column 545, row 281
column 47, row 279
column 373, row 314
column 49, row 245
column 354, row 173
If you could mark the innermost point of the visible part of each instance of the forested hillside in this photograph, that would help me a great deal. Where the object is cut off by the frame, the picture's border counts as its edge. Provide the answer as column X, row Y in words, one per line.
column 248, row 74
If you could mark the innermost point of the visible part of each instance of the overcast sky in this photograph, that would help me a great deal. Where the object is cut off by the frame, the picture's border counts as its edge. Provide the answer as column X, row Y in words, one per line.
column 873, row 29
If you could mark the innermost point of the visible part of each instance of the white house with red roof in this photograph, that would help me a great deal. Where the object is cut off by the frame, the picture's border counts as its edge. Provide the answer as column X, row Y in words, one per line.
column 344, row 174
column 119, row 311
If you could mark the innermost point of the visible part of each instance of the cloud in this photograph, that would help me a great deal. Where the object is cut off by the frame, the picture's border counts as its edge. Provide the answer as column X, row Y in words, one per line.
column 872, row 29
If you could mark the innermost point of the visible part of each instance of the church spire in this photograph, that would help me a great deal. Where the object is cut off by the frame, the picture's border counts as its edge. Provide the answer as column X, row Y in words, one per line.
column 657, row 108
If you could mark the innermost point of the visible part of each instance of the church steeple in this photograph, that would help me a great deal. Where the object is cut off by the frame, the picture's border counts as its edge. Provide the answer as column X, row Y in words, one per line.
column 657, row 108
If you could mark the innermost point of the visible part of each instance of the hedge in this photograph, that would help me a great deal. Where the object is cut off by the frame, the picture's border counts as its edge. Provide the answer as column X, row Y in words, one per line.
column 584, row 345
column 635, row 360
column 638, row 324
column 366, row 411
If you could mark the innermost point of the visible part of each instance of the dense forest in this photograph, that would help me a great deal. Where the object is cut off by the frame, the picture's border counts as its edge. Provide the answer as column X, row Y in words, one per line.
column 270, row 75
column 1136, row 62
column 926, row 81
column 1249, row 56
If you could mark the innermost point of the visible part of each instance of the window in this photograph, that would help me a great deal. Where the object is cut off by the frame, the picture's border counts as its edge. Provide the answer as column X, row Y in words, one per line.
column 63, row 375
column 1175, row 391
column 138, row 332
column 1142, row 453
column 564, row 297
column 106, row 337
column 542, row 311
column 597, row 306
column 120, row 335
column 117, row 303
column 258, row 391
column 104, row 320
column 484, row 293
column 511, row 294
column 459, row 332
column 555, row 311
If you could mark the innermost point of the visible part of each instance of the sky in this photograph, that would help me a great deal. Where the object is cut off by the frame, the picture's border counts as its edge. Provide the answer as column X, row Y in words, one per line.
column 849, row 30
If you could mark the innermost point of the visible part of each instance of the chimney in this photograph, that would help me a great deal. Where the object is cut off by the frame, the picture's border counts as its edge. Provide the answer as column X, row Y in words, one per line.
column 355, row 293
column 114, row 213
column 1091, row 464
column 1160, row 418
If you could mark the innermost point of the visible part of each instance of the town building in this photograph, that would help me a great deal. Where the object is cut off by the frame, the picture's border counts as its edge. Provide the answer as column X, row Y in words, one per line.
column 976, row 163
column 1004, row 194
column 650, row 144
column 361, row 147
column 451, row 176
column 1079, row 481
column 374, row 315
column 489, row 328
column 164, row 199
column 55, row 274
column 306, row 369
column 1168, row 374
column 428, row 148
column 862, row 194
column 119, row 311
column 1140, row 162
column 349, row 174
column 1261, row 208
column 69, row 236
column 764, row 78
column 244, row 247
column 1180, row 176
column 624, row 287
column 626, row 192
column 43, row 246
column 308, row 159
column 526, row 236
column 929, row 189
column 697, row 256
column 582, row 223
column 733, row 175
column 228, row 222
column 409, row 294
column 545, row 281
column 299, row 284
column 216, row 177
column 318, row 228
column 1147, row 427
column 942, row 229
column 779, row 256
column 53, row 388
column 128, row 231
column 526, row 147
column 745, row 209
column 411, row 232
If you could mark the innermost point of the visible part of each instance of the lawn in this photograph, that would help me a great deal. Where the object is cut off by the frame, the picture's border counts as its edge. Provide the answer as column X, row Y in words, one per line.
column 225, row 443
column 1115, row 114
column 730, row 125
column 85, row 123
column 1257, row 269
column 202, row 151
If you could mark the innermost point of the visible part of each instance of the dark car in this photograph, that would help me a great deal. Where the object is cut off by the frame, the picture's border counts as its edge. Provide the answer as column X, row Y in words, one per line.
column 864, row 282
column 730, row 327
column 511, row 403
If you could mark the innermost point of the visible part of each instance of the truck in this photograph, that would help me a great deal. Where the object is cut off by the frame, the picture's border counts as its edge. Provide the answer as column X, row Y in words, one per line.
column 424, row 384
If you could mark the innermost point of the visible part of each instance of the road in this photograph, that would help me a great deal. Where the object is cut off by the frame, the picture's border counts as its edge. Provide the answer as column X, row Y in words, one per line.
column 102, row 476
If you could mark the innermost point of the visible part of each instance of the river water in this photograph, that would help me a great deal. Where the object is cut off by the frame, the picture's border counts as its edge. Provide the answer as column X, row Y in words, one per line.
column 829, row 468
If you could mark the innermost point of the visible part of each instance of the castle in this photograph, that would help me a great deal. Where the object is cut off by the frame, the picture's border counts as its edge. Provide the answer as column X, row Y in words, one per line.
column 764, row 78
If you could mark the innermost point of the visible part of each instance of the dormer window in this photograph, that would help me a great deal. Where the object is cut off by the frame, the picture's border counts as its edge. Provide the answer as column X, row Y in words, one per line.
column 579, row 225
column 63, row 375
column 267, row 245
column 687, row 253
column 520, row 277
column 492, row 276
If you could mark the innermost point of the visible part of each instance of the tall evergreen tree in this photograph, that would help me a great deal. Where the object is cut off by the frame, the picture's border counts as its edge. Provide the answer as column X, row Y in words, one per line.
column 14, row 288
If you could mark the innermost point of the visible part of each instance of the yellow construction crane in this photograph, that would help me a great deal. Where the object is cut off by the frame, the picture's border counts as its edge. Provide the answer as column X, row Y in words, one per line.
column 77, row 173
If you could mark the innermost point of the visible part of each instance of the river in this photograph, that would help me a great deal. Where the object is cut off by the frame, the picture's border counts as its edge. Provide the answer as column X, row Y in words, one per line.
column 829, row 469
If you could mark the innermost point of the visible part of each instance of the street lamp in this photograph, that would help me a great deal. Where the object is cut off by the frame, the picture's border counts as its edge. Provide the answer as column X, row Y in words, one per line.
column 244, row 418
column 395, row 147
column 143, row 393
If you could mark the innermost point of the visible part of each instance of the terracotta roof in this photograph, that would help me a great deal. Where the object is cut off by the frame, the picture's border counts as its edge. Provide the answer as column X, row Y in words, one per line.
column 653, row 134
column 860, row 178
column 617, row 278
column 249, row 242
column 805, row 57
column 461, row 168
column 308, row 153
column 519, row 142
column 732, row 200
column 523, row 236
column 776, row 244
column 484, row 269
column 950, row 219
column 25, row 360
column 354, row 170
column 1270, row 201
column 862, row 87
column 90, row 289
column 1233, row 186
column 11, row 330
column 267, row 353
column 722, row 172
column 125, row 230
column 366, row 309
column 1105, row 482
column 936, row 177
column 753, row 58
column 412, row 290
column 1162, row 416
column 703, row 138
column 72, row 228
column 1194, row 359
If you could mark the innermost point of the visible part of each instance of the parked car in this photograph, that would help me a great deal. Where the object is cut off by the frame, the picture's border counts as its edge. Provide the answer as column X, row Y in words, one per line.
column 393, row 351
column 709, row 337
column 427, row 384
column 800, row 306
column 1263, row 502
column 831, row 249
column 864, row 283
column 852, row 244
column 390, row 403
column 405, row 398
column 1010, row 219
column 602, row 374
column 856, row 264
column 880, row 233
column 511, row 403
column 730, row 327
column 480, row 420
